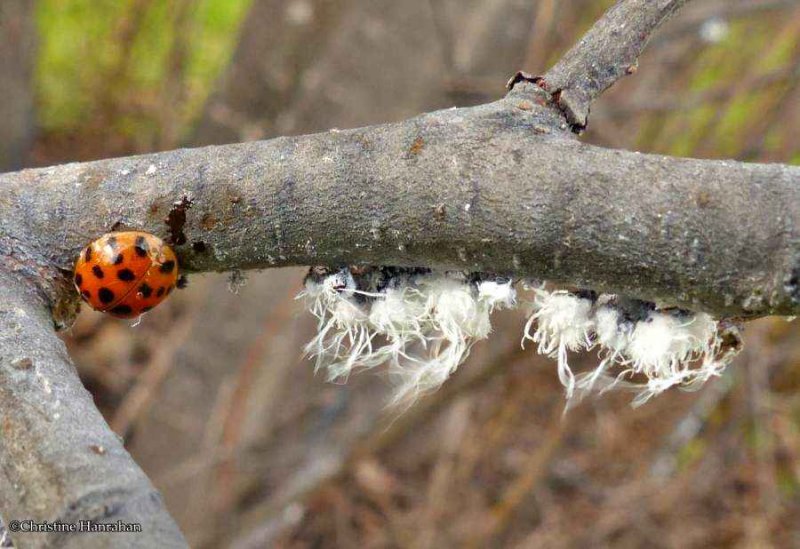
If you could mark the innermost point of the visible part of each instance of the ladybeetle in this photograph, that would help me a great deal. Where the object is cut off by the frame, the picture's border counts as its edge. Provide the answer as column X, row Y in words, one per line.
column 126, row 274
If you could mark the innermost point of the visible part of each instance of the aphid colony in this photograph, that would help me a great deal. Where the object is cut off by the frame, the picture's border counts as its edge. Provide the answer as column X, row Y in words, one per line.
column 423, row 324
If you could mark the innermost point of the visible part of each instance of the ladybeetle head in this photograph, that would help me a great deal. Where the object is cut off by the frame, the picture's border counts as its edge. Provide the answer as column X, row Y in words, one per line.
column 126, row 274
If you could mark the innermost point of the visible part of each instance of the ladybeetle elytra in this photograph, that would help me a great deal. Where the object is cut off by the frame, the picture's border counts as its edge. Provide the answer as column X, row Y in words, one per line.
column 126, row 274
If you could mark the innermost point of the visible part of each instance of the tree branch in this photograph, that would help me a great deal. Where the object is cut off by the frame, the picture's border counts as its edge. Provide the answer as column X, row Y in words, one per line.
column 58, row 458
column 606, row 53
column 491, row 188
column 502, row 187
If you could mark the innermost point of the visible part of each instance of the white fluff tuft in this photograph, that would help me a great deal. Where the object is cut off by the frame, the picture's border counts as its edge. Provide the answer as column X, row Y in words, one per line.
column 400, row 315
column 673, row 350
column 613, row 335
column 563, row 323
column 455, row 319
column 497, row 294
column 427, row 325
column 666, row 348
column 344, row 339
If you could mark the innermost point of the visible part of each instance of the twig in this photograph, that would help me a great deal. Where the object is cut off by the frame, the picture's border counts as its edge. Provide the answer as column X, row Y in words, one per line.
column 761, row 358
column 609, row 51
column 689, row 427
column 235, row 416
column 517, row 197
column 534, row 469
column 147, row 384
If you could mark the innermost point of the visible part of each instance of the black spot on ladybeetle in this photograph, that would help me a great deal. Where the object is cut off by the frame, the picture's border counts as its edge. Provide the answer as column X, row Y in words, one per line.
column 87, row 254
column 98, row 272
column 78, row 280
column 122, row 310
column 167, row 267
column 126, row 275
column 161, row 291
column 105, row 295
column 145, row 290
column 111, row 241
column 119, row 259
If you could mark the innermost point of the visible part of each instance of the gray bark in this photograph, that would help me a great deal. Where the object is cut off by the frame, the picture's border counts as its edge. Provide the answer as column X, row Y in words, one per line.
column 519, row 197
column 60, row 461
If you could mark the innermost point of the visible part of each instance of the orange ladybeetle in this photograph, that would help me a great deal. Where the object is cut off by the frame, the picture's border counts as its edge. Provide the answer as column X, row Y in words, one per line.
column 126, row 274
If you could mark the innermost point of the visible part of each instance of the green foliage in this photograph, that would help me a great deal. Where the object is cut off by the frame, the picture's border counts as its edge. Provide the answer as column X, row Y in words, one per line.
column 737, row 111
column 113, row 61
column 74, row 44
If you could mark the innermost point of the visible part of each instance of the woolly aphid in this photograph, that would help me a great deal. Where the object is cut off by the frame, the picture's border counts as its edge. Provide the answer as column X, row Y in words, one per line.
column 423, row 324
column 662, row 348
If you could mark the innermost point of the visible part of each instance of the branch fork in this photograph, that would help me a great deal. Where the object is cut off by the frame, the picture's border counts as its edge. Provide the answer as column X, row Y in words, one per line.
column 502, row 187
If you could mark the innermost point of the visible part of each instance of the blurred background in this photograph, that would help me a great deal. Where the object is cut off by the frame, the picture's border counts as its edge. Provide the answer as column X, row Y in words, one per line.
column 210, row 390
